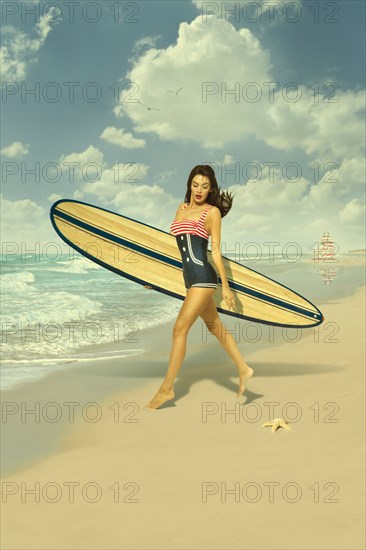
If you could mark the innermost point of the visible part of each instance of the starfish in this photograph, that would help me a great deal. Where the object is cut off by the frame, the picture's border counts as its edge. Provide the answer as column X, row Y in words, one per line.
column 277, row 423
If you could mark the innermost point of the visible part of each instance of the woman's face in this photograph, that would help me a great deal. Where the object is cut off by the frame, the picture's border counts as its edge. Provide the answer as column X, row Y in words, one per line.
column 200, row 188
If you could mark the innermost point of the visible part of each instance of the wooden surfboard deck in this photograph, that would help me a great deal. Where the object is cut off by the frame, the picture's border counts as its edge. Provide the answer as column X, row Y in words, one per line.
column 150, row 256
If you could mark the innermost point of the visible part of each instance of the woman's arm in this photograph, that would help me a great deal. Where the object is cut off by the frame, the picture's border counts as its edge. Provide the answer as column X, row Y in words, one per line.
column 214, row 219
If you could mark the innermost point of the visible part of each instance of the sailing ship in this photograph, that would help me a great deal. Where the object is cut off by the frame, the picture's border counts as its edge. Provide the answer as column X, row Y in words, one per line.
column 326, row 250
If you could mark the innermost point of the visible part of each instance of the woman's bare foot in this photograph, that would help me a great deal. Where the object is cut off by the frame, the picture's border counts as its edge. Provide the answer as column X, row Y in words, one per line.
column 159, row 398
column 245, row 373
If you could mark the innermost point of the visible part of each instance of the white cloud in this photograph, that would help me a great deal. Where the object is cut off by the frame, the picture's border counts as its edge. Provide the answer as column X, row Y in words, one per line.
column 19, row 49
column 263, row 207
column 252, row 221
column 97, row 178
column 78, row 195
column 148, row 203
column 275, row 209
column 264, row 210
column 201, row 52
column 122, row 188
column 271, row 192
column 145, row 41
column 118, row 111
column 354, row 212
column 337, row 187
column 114, row 179
column 216, row 55
column 84, row 166
column 54, row 197
column 135, row 199
column 166, row 176
column 125, row 140
column 15, row 150
column 228, row 159
column 25, row 221
column 328, row 130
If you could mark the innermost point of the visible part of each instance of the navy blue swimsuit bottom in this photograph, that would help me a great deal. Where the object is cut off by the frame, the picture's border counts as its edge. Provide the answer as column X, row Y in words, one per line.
column 197, row 270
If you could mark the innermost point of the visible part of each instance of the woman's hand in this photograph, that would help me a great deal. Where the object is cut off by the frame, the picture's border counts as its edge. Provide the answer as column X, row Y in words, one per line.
column 147, row 286
column 228, row 296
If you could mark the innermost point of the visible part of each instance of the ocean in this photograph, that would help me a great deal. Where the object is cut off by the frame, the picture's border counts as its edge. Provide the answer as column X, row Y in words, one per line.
column 53, row 308
column 50, row 309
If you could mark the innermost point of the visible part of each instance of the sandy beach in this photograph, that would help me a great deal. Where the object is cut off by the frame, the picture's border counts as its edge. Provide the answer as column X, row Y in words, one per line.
column 200, row 472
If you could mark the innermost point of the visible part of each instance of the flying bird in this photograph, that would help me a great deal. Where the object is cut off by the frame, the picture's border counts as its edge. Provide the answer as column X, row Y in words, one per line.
column 149, row 108
column 176, row 93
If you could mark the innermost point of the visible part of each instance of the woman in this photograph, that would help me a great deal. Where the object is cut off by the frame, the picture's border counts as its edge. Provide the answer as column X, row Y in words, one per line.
column 195, row 220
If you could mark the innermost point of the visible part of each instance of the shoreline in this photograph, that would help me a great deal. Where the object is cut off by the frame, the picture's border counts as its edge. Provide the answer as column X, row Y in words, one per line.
column 163, row 461
column 146, row 358
column 175, row 461
column 89, row 353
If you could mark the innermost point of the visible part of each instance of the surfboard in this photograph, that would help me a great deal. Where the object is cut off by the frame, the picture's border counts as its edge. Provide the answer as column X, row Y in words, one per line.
column 150, row 256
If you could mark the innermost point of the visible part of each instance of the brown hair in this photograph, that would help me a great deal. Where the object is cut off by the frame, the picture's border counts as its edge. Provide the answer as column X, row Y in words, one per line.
column 223, row 200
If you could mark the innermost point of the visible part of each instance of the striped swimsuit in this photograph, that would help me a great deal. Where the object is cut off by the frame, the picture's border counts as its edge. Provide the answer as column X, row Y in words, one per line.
column 192, row 241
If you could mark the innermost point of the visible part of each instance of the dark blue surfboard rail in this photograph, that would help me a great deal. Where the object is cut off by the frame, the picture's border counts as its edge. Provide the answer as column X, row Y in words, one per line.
column 316, row 318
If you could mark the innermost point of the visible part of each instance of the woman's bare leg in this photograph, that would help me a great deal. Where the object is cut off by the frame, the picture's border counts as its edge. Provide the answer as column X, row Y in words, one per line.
column 211, row 318
column 193, row 304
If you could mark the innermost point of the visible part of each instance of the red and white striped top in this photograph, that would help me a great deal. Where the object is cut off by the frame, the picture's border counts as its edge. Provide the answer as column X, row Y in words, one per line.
column 193, row 227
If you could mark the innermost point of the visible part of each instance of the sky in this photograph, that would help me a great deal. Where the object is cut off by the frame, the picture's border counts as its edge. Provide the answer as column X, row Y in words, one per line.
column 113, row 104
